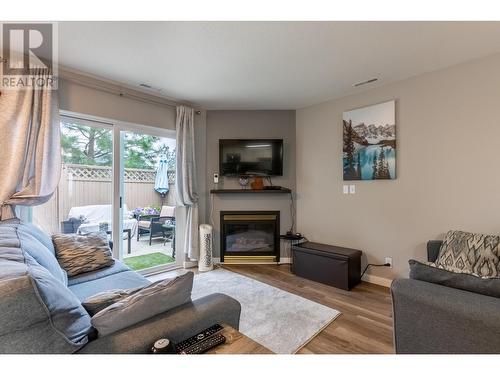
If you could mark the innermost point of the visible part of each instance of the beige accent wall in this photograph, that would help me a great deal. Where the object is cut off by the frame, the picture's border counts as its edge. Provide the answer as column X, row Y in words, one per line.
column 250, row 124
column 448, row 167
column 82, row 99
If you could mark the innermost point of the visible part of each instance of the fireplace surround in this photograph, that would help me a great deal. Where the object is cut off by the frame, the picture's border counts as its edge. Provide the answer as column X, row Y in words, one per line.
column 250, row 236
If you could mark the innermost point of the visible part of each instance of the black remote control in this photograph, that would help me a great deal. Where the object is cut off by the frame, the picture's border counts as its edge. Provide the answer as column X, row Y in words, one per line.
column 200, row 336
column 205, row 345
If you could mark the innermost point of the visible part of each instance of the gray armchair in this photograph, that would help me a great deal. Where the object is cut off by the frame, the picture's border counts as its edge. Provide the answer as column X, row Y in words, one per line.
column 431, row 318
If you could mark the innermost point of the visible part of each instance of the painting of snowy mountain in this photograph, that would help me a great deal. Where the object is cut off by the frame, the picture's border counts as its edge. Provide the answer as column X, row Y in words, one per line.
column 369, row 151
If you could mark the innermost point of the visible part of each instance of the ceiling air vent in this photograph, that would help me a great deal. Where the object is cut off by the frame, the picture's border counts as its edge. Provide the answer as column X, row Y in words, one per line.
column 365, row 82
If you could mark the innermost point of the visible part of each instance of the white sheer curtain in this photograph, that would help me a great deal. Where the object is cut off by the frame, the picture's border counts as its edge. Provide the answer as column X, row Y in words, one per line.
column 30, row 153
column 185, row 181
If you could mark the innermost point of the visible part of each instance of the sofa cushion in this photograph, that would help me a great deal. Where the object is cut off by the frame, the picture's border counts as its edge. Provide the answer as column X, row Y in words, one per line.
column 470, row 253
column 39, row 246
column 79, row 254
column 32, row 300
column 147, row 302
column 100, row 301
column 117, row 267
column 431, row 273
column 120, row 280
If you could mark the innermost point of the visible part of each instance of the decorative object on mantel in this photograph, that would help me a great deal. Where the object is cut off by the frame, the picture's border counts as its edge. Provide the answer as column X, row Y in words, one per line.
column 369, row 148
column 244, row 181
column 257, row 184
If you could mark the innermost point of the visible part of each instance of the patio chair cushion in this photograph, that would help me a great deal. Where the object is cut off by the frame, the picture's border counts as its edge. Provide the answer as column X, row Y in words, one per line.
column 147, row 302
column 145, row 224
column 167, row 211
column 79, row 254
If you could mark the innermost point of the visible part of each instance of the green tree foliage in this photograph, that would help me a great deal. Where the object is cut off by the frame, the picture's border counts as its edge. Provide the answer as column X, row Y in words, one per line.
column 349, row 150
column 374, row 165
column 382, row 166
column 86, row 145
column 83, row 144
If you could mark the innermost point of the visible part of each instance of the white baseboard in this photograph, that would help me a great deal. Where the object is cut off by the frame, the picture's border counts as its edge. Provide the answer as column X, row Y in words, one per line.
column 377, row 280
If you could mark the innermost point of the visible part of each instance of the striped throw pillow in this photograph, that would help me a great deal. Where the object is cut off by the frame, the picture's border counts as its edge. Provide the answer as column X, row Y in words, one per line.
column 79, row 254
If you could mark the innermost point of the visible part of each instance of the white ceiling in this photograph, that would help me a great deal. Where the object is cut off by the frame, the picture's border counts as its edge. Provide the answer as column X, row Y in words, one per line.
column 268, row 65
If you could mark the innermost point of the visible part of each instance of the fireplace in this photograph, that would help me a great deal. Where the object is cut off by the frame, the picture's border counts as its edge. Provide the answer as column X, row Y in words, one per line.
column 250, row 236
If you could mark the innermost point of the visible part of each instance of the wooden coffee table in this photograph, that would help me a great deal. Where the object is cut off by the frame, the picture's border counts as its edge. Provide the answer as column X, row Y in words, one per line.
column 238, row 343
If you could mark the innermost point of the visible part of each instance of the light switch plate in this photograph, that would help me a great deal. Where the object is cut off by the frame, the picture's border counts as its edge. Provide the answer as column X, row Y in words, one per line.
column 352, row 189
column 346, row 189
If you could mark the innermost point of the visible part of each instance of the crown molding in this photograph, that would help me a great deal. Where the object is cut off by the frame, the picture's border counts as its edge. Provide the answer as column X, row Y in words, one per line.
column 119, row 89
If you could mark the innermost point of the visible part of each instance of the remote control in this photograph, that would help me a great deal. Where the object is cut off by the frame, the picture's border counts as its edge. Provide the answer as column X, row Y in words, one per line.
column 205, row 345
column 200, row 336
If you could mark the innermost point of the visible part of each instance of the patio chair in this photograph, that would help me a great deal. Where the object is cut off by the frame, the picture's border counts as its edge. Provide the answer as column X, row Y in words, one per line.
column 153, row 224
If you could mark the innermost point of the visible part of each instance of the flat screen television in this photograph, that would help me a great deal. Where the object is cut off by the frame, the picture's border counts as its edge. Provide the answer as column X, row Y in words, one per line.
column 251, row 157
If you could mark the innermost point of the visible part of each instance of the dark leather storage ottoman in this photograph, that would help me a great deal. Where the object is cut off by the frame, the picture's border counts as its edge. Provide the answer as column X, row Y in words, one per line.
column 332, row 265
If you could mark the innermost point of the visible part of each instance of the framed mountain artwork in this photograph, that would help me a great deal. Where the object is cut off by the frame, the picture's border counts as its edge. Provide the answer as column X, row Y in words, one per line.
column 369, row 149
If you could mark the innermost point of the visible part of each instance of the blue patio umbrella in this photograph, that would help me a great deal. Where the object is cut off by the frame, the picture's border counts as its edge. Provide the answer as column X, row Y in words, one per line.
column 161, row 180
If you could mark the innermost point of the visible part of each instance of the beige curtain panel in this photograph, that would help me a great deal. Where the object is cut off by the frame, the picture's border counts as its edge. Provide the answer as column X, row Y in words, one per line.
column 30, row 154
column 185, row 180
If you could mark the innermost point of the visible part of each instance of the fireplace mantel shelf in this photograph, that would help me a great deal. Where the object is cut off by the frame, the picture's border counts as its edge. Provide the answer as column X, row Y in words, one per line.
column 251, row 191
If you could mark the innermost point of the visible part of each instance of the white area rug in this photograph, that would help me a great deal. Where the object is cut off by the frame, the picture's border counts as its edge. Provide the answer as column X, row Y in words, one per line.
column 281, row 321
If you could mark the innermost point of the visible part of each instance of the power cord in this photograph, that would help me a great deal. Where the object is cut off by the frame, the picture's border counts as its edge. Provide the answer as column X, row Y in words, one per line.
column 375, row 265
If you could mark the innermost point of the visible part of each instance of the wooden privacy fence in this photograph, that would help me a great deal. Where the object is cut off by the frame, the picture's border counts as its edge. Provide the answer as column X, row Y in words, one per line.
column 82, row 185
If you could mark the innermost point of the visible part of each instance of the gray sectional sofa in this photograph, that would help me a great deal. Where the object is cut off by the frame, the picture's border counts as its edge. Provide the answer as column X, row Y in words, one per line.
column 435, row 319
column 41, row 310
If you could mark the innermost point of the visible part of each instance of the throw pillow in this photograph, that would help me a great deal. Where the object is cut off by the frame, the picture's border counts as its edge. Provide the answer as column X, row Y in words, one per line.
column 432, row 274
column 470, row 253
column 100, row 301
column 149, row 301
column 78, row 254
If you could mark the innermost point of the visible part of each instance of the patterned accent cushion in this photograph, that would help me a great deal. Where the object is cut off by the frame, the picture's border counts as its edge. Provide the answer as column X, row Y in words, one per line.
column 470, row 253
column 147, row 302
column 79, row 254
column 100, row 301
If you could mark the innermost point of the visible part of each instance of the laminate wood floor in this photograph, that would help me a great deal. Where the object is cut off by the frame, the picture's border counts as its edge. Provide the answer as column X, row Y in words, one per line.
column 365, row 325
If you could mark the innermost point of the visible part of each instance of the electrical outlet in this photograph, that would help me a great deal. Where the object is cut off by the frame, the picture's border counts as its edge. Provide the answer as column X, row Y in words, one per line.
column 352, row 189
column 388, row 260
column 345, row 189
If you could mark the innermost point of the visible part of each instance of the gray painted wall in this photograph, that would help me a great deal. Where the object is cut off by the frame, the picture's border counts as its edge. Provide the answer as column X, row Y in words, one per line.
column 448, row 138
column 250, row 124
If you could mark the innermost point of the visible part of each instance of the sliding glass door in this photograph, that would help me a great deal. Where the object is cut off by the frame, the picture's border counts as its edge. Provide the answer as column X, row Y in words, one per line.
column 82, row 202
column 148, row 199
column 116, row 178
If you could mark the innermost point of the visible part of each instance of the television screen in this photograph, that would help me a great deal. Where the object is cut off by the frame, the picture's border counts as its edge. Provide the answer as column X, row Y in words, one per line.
column 251, row 157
